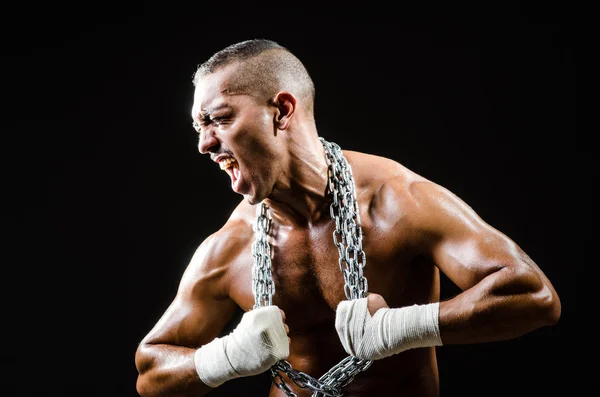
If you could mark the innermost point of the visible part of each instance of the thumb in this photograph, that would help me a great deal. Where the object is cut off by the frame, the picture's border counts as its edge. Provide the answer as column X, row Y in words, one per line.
column 375, row 302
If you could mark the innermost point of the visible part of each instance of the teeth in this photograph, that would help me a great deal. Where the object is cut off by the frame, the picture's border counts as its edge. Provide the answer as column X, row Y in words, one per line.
column 224, row 164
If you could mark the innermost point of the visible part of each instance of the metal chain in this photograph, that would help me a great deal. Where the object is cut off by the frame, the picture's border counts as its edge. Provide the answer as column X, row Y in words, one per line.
column 352, row 259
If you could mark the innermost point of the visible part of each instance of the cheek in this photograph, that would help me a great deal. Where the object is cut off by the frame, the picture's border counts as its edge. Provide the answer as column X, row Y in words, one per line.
column 257, row 132
column 255, row 126
column 263, row 121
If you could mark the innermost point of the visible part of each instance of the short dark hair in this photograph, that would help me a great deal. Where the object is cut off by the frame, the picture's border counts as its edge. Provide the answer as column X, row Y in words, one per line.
column 265, row 67
column 237, row 52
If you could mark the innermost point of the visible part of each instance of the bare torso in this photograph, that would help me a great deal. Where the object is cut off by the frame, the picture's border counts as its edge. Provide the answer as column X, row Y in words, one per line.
column 309, row 286
column 408, row 223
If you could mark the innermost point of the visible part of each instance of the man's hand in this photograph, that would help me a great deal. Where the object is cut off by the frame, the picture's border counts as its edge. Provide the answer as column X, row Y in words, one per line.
column 370, row 330
column 258, row 342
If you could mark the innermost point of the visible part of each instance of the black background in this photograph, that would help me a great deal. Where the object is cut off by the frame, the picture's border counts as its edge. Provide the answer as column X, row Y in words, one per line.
column 107, row 196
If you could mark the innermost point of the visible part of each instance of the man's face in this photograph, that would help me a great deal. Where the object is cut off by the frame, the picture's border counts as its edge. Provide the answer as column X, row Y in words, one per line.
column 238, row 132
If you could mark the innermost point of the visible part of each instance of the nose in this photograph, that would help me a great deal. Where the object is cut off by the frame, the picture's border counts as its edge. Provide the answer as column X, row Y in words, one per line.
column 208, row 142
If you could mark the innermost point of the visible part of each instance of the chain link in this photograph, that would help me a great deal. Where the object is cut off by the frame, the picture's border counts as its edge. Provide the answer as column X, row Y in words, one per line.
column 347, row 236
column 263, row 287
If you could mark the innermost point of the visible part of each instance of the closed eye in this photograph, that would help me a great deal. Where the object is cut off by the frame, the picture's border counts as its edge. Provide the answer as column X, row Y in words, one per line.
column 206, row 120
column 196, row 126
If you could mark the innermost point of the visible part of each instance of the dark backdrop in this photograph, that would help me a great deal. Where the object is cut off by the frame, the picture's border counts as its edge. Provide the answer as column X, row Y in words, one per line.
column 108, row 196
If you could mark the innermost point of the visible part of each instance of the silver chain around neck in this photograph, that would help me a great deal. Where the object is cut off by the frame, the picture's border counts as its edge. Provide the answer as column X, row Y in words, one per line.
column 352, row 259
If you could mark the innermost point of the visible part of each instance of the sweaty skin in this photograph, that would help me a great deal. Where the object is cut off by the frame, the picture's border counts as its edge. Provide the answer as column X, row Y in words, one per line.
column 413, row 229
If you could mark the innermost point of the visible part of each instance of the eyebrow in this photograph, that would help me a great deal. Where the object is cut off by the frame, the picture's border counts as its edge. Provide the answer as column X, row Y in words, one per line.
column 205, row 113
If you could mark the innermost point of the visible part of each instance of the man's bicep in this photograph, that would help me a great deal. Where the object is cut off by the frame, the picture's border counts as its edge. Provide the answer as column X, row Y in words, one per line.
column 461, row 244
column 192, row 322
column 200, row 309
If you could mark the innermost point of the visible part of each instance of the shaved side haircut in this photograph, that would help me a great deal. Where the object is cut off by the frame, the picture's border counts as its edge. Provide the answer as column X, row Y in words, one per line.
column 263, row 68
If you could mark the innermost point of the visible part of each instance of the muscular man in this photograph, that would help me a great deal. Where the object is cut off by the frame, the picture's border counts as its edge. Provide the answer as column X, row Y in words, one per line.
column 333, row 256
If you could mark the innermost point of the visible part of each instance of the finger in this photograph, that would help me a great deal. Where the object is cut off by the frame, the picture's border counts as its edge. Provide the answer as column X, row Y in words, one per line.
column 282, row 314
column 375, row 302
column 287, row 329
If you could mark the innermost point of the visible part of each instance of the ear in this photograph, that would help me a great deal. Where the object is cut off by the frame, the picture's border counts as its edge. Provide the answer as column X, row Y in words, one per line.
column 285, row 104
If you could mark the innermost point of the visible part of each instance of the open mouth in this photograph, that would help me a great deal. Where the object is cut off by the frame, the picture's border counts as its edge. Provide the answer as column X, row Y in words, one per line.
column 230, row 166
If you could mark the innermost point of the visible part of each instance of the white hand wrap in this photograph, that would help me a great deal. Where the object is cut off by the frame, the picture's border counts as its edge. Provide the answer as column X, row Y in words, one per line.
column 389, row 331
column 258, row 342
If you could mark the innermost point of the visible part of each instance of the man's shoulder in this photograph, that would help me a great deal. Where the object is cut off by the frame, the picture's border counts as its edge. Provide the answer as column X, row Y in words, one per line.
column 374, row 172
column 229, row 241
column 388, row 188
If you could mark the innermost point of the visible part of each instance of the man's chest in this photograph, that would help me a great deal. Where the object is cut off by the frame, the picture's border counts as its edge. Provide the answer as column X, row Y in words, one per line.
column 312, row 269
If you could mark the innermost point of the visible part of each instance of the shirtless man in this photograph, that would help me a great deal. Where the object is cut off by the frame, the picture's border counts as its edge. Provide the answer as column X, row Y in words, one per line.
column 360, row 285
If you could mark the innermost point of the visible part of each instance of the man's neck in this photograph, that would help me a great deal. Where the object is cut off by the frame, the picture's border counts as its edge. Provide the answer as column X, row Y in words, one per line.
column 302, row 195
